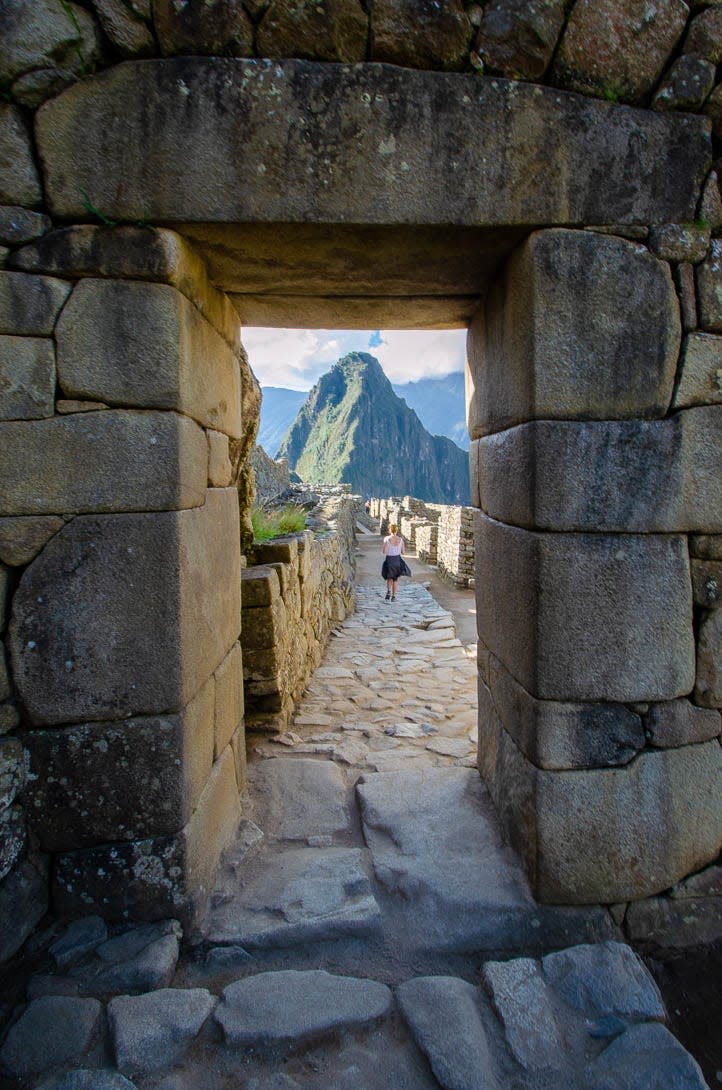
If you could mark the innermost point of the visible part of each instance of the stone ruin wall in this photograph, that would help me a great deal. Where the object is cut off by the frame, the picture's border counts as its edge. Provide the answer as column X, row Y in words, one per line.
column 122, row 431
column 293, row 594
column 441, row 534
column 119, row 477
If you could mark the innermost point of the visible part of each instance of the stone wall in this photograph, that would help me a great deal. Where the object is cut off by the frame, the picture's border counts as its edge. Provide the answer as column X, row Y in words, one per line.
column 615, row 50
column 295, row 591
column 271, row 476
column 441, row 534
column 595, row 412
column 121, row 712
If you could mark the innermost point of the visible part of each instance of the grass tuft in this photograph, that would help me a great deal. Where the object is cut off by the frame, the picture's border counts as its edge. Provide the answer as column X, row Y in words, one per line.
column 269, row 524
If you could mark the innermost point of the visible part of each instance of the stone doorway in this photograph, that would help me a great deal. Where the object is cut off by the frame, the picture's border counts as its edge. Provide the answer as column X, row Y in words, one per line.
column 304, row 191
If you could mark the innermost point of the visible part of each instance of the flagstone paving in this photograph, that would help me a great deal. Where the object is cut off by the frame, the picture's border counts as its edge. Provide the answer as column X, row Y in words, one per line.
column 369, row 929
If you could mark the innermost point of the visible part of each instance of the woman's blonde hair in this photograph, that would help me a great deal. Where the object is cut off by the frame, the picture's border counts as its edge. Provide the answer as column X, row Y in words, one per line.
column 393, row 528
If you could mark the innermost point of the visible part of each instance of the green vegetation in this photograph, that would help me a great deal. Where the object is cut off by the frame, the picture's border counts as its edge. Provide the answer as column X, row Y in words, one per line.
column 269, row 524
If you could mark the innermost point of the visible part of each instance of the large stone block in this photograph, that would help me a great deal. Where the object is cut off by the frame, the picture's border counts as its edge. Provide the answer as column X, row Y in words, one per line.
column 125, row 615
column 335, row 31
column 158, row 877
column 22, row 538
column 709, row 289
column 228, row 699
column 259, row 586
column 102, row 461
column 119, row 781
column 556, row 735
column 578, row 324
column 19, row 181
column 133, row 253
column 23, row 903
column 223, row 145
column 420, row 33
column 681, row 723
column 700, row 379
column 146, row 345
column 39, row 35
column 27, row 378
column 618, row 48
column 213, row 27
column 30, row 305
column 517, row 39
column 708, row 687
column 643, row 476
column 578, row 617
column 605, row 835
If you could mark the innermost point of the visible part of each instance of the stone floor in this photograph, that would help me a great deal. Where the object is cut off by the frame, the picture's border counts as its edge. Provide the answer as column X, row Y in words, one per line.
column 369, row 928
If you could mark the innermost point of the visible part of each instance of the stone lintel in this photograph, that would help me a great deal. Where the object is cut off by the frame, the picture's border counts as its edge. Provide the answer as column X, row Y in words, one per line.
column 229, row 140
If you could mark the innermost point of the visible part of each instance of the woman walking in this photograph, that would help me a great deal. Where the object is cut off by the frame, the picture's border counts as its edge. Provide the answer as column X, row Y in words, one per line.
column 394, row 564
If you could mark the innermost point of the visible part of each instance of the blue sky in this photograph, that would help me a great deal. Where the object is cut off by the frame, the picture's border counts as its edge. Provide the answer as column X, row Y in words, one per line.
column 296, row 358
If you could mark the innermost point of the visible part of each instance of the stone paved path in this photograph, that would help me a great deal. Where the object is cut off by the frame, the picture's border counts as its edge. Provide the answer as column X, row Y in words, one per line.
column 369, row 929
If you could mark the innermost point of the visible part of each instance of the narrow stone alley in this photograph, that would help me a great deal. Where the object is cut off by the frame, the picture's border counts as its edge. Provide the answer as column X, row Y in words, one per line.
column 369, row 929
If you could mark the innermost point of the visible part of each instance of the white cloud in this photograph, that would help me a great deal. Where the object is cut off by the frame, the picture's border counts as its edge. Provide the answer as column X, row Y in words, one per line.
column 296, row 358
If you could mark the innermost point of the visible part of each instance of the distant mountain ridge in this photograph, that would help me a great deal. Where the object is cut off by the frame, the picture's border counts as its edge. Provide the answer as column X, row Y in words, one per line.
column 352, row 427
column 438, row 403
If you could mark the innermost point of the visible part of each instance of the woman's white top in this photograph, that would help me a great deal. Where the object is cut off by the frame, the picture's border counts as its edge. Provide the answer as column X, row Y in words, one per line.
column 391, row 549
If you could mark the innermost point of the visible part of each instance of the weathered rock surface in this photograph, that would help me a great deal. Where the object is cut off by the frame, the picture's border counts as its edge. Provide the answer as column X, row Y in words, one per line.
column 637, row 1059
column 27, row 378
column 173, row 622
column 704, row 36
column 680, row 242
column 521, row 1000
column 30, row 305
column 681, row 723
column 557, row 735
column 669, row 923
column 120, row 781
column 709, row 289
column 302, row 895
column 517, row 39
column 87, row 1080
column 19, row 225
column 334, row 31
column 52, row 1031
column 104, row 461
column 640, row 848
column 628, row 476
column 79, row 938
column 216, row 28
column 151, row 1031
column 443, row 1013
column 293, row 1008
column 228, row 715
column 579, row 324
column 157, row 876
column 124, row 27
column 708, row 686
column 42, row 37
column 220, row 470
column 436, row 849
column 603, row 617
column 19, row 181
column 145, row 345
column 23, row 537
column 209, row 115
column 618, row 49
column 23, row 903
column 700, row 381
column 605, row 979
column 686, row 85
column 297, row 799
column 420, row 34
column 707, row 583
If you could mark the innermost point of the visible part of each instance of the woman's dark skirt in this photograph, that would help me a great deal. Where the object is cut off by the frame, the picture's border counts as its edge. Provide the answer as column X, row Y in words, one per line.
column 393, row 567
